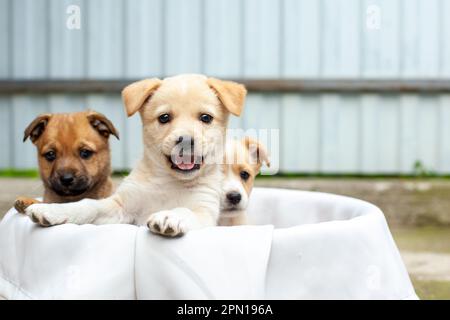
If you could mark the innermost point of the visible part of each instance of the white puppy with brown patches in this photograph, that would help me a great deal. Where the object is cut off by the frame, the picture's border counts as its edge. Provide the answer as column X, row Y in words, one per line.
column 176, row 185
column 244, row 159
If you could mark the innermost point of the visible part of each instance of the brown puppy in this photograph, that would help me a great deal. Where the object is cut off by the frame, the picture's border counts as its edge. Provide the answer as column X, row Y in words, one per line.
column 74, row 156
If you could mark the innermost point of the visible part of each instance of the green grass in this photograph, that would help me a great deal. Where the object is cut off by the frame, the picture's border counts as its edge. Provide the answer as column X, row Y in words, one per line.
column 432, row 290
column 421, row 239
column 286, row 175
column 32, row 173
column 13, row 173
column 426, row 239
column 120, row 174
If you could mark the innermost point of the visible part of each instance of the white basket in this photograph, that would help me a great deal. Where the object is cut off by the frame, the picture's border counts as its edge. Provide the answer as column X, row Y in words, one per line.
column 308, row 246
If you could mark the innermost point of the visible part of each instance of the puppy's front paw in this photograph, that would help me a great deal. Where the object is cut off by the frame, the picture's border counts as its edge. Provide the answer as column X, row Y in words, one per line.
column 22, row 203
column 170, row 223
column 45, row 215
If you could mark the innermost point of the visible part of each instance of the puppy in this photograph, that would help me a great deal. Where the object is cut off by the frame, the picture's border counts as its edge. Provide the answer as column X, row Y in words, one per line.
column 73, row 155
column 243, row 162
column 176, row 186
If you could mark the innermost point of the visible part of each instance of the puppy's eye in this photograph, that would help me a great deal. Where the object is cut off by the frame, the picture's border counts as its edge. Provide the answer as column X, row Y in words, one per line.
column 50, row 155
column 206, row 118
column 244, row 175
column 164, row 118
column 86, row 154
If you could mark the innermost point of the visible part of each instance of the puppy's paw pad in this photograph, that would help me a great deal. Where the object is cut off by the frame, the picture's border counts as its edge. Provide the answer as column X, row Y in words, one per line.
column 22, row 203
column 42, row 215
column 166, row 223
column 170, row 230
column 34, row 218
column 155, row 227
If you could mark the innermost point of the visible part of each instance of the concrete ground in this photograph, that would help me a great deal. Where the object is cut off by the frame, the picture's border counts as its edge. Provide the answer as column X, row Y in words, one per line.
column 418, row 213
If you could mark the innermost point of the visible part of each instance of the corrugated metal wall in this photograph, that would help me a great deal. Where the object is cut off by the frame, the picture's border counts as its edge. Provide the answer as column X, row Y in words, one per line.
column 328, row 133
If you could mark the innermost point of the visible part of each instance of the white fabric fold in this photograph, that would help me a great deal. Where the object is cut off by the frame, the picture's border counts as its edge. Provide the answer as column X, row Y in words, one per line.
column 212, row 263
column 339, row 248
column 65, row 262
column 323, row 247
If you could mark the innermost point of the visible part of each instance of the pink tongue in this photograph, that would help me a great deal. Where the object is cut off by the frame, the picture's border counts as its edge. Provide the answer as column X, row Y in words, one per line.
column 185, row 166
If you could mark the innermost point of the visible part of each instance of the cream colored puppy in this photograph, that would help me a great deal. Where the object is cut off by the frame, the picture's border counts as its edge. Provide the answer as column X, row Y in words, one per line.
column 244, row 159
column 176, row 185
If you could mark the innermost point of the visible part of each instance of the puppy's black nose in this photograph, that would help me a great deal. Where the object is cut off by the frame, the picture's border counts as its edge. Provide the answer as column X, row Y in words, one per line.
column 234, row 197
column 185, row 140
column 66, row 179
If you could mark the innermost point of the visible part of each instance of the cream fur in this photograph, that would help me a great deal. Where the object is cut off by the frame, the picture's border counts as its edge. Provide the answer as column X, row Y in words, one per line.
column 169, row 202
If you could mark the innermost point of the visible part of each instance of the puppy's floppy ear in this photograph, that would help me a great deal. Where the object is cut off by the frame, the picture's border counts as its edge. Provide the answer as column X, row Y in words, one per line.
column 257, row 151
column 36, row 127
column 102, row 124
column 231, row 94
column 135, row 94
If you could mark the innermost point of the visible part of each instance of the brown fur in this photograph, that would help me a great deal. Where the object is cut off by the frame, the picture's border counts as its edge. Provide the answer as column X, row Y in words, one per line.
column 231, row 94
column 66, row 134
column 135, row 94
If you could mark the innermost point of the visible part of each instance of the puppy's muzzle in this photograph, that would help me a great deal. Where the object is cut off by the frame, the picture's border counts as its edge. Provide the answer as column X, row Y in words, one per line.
column 66, row 179
column 68, row 184
column 183, row 157
column 234, row 197
column 185, row 141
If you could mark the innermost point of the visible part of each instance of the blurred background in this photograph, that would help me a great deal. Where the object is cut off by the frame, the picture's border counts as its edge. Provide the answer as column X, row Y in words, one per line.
column 360, row 91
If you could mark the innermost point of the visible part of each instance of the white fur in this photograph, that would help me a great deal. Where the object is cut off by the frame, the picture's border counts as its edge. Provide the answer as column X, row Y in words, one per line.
column 232, row 183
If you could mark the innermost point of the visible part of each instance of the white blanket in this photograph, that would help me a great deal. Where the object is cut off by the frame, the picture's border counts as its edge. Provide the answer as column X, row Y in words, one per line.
column 323, row 247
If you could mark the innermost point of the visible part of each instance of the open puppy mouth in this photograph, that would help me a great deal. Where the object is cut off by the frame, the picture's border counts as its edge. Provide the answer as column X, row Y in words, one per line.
column 185, row 163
